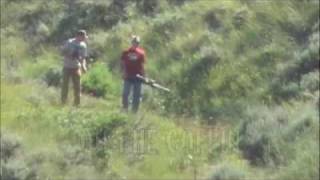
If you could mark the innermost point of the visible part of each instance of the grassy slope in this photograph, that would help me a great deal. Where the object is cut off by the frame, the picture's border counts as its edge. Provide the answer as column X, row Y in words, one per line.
column 179, row 40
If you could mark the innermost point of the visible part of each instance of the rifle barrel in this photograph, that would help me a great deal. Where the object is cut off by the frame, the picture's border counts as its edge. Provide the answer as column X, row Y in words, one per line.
column 152, row 83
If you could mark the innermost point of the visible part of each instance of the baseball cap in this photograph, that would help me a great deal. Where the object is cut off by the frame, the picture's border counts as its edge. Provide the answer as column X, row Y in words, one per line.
column 135, row 39
column 82, row 32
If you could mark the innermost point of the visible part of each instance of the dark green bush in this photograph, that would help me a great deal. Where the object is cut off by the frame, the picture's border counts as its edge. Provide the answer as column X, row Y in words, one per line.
column 149, row 7
column 306, row 62
column 299, row 74
column 284, row 91
column 178, row 2
column 88, row 16
column 213, row 20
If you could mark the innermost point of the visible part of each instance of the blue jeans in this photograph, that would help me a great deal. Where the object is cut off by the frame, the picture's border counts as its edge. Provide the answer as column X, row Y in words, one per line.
column 128, row 86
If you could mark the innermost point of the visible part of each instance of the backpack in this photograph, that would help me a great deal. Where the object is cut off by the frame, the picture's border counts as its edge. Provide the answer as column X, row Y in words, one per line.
column 70, row 50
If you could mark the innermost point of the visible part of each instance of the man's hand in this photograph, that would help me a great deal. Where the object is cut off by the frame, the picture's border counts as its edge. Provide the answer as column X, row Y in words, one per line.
column 149, row 81
column 83, row 68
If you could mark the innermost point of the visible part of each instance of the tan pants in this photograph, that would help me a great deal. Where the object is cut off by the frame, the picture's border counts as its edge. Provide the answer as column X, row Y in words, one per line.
column 74, row 74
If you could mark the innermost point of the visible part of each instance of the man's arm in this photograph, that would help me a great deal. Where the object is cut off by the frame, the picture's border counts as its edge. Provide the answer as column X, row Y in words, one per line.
column 143, row 61
column 143, row 56
column 82, row 57
column 123, row 65
column 84, row 65
column 64, row 49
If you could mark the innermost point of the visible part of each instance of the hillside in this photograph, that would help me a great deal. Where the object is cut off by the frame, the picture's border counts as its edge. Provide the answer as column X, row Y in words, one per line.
column 244, row 80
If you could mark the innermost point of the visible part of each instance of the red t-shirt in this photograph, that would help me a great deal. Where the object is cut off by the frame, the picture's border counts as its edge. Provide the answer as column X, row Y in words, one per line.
column 132, row 62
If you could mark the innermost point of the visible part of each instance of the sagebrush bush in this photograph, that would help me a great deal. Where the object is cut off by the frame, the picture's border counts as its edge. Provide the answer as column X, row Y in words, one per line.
column 10, row 144
column 16, row 170
column 259, row 136
column 228, row 172
column 53, row 77
column 13, row 159
column 310, row 82
column 266, row 136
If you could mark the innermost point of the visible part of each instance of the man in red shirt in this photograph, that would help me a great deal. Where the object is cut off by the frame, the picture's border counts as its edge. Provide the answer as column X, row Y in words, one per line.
column 132, row 63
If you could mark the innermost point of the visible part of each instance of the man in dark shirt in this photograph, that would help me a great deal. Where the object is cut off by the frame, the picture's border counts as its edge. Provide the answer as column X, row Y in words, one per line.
column 132, row 63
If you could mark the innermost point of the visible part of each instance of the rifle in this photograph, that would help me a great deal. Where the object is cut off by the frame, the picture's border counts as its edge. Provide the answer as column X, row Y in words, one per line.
column 151, row 83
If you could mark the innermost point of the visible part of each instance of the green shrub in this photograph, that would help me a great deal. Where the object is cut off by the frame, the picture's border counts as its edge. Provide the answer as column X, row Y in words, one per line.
column 99, row 82
column 284, row 91
column 104, row 126
column 89, row 127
